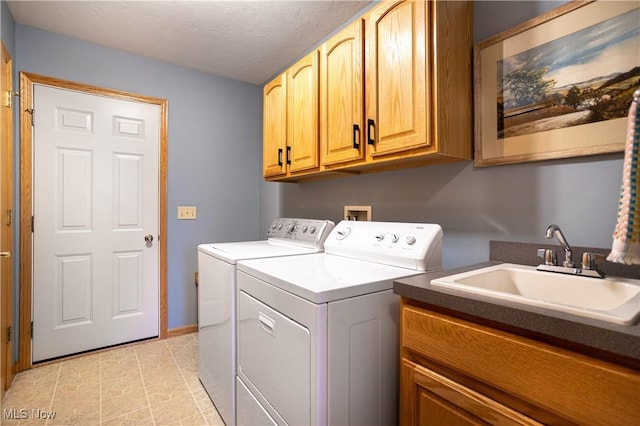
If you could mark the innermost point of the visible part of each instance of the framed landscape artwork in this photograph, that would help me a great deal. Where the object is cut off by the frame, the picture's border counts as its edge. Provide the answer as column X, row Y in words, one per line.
column 559, row 85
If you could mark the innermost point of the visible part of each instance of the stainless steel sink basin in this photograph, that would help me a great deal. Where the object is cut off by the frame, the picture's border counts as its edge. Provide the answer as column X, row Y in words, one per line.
column 610, row 299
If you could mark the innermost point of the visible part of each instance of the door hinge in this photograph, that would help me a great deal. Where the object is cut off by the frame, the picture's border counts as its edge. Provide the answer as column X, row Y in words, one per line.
column 31, row 331
column 9, row 217
column 33, row 226
column 9, row 98
column 9, row 331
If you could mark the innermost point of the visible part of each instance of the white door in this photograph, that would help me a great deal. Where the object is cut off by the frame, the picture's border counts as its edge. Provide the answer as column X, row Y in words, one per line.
column 95, row 277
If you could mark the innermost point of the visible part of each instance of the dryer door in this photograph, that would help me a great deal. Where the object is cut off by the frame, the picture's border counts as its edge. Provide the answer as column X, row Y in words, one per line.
column 274, row 358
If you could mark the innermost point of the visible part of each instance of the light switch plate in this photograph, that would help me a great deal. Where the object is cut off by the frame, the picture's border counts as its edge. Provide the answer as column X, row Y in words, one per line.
column 186, row 212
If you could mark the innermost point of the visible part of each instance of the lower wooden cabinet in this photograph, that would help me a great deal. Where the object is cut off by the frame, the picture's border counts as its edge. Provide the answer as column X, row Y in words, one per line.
column 433, row 399
column 457, row 372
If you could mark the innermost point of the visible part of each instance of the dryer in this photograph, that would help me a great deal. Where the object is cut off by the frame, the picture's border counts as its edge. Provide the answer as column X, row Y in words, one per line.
column 217, row 299
column 318, row 334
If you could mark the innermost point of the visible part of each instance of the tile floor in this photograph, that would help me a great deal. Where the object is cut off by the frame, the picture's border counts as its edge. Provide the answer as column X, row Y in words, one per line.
column 151, row 383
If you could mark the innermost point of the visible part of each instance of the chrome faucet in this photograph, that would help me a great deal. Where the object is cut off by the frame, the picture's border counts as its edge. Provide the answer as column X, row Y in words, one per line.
column 554, row 231
column 591, row 262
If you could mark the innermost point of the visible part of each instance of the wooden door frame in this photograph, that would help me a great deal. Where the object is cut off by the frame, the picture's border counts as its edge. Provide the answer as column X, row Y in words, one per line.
column 27, row 81
column 6, row 300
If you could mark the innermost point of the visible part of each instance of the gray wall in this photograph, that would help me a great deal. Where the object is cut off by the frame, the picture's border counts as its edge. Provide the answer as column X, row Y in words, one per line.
column 475, row 205
column 215, row 136
column 7, row 28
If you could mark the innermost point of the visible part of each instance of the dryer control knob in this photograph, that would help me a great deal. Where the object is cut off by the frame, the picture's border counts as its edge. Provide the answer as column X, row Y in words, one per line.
column 312, row 229
column 304, row 229
column 379, row 237
column 394, row 238
column 410, row 239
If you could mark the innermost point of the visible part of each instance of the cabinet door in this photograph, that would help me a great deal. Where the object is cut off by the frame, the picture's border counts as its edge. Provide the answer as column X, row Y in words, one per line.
column 396, row 52
column 438, row 400
column 302, row 114
column 274, row 142
column 341, row 100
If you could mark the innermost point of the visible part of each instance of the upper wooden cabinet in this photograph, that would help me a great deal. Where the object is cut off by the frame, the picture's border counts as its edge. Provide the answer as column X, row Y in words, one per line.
column 290, row 121
column 398, row 103
column 274, row 122
column 302, row 114
column 341, row 97
column 395, row 91
column 418, row 81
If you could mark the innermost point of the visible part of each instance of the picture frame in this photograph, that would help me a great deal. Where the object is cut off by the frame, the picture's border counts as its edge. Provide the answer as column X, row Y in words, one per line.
column 557, row 86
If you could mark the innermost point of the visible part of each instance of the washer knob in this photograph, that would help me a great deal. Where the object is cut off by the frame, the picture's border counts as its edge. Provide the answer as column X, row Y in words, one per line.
column 379, row 237
column 343, row 233
column 394, row 238
column 410, row 239
column 304, row 229
column 273, row 225
column 312, row 229
column 291, row 227
column 279, row 226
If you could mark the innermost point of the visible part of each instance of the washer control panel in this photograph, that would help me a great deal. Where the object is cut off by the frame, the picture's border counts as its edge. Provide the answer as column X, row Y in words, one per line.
column 410, row 245
column 310, row 232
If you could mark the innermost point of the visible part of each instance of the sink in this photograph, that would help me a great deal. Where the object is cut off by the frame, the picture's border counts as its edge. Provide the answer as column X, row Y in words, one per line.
column 610, row 299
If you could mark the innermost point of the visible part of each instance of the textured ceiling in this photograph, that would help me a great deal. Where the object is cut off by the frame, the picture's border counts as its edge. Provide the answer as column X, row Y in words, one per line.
column 249, row 41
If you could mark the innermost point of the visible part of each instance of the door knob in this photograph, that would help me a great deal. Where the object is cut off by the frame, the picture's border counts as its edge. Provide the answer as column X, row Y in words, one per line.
column 5, row 254
column 148, row 238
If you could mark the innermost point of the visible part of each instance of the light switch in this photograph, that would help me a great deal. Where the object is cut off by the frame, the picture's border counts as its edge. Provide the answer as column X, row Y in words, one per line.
column 186, row 212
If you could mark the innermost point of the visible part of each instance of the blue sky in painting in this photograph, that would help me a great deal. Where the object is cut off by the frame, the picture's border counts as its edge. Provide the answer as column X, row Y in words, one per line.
column 611, row 46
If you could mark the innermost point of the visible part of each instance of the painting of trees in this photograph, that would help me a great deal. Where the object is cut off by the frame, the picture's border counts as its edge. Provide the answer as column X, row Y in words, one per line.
column 580, row 78
column 527, row 86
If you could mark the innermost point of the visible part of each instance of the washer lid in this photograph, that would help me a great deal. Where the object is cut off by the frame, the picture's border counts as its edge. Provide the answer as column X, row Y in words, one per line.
column 322, row 277
column 232, row 252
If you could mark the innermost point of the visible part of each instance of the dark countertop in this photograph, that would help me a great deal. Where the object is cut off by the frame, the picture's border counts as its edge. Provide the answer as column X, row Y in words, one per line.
column 613, row 342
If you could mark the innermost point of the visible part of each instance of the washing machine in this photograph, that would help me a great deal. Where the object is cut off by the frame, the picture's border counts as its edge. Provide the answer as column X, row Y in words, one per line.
column 318, row 334
column 217, row 299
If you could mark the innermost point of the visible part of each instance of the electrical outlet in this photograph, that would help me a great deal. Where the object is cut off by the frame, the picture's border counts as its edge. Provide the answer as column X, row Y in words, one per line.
column 186, row 212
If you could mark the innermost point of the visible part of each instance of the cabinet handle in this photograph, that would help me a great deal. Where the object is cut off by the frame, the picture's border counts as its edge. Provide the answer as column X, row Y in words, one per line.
column 371, row 124
column 356, row 136
column 289, row 155
column 280, row 157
